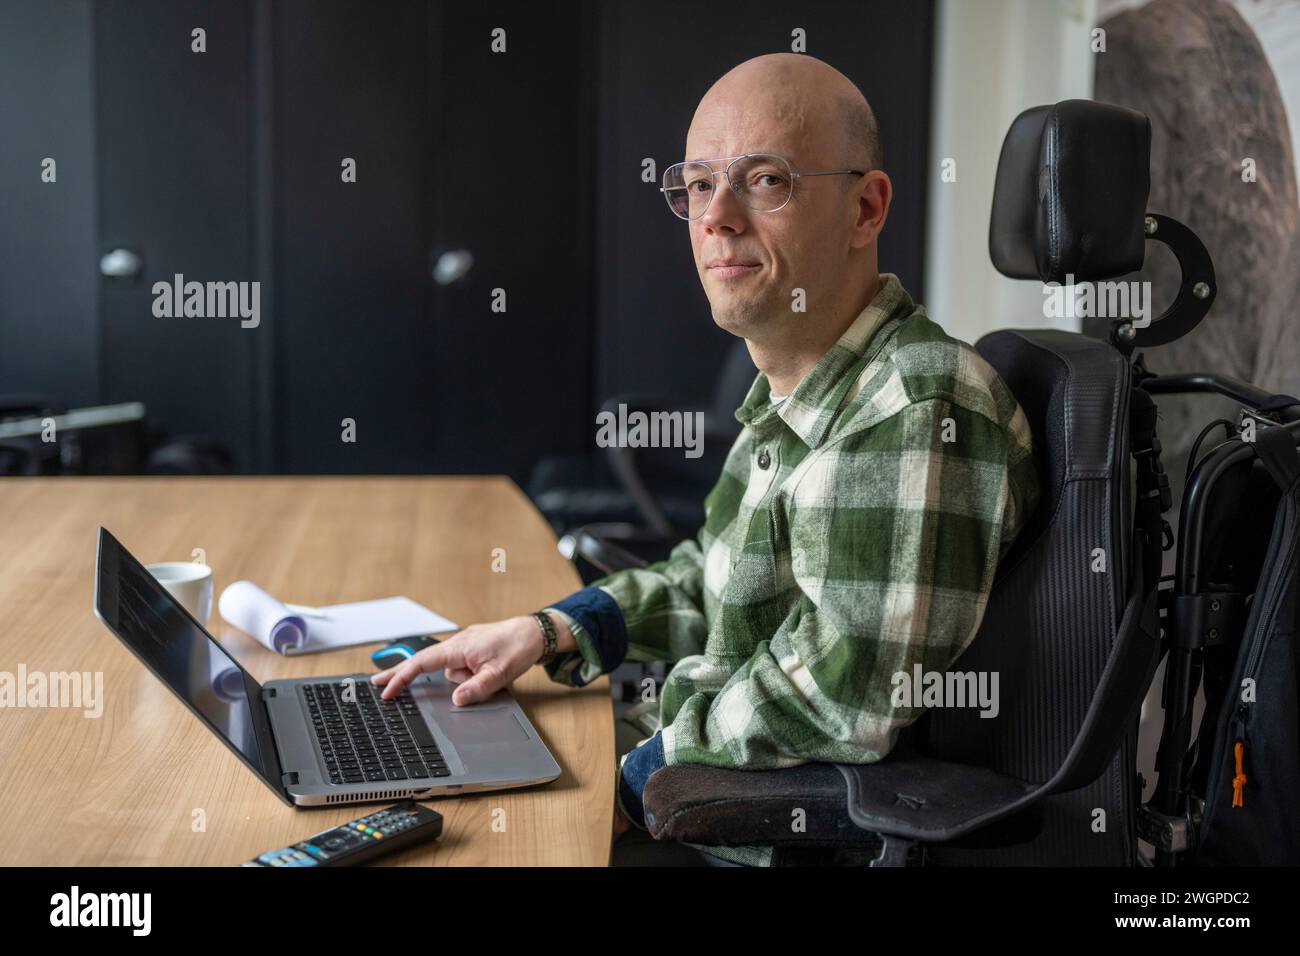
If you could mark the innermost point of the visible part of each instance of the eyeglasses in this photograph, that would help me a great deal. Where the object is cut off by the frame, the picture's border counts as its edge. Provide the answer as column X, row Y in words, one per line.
column 761, row 181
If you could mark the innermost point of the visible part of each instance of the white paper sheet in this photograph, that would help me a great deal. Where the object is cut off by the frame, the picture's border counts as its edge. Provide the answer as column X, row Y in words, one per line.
column 290, row 629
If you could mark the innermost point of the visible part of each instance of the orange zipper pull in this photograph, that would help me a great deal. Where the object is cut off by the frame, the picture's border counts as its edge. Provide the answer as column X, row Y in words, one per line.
column 1239, row 781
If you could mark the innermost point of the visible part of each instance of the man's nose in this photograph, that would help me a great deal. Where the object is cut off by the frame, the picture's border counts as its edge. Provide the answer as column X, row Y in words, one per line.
column 725, row 208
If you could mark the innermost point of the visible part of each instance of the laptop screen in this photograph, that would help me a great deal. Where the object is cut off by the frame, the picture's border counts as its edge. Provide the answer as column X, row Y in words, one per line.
column 183, row 656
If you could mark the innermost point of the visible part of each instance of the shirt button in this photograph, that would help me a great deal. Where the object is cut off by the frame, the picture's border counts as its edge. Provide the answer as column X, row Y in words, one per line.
column 764, row 459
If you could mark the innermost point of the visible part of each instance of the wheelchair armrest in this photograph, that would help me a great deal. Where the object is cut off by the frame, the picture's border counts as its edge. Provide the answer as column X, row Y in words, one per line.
column 716, row 807
column 624, row 459
column 907, row 795
column 596, row 544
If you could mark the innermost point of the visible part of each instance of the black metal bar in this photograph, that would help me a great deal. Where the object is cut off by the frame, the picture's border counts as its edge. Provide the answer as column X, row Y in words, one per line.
column 1195, row 382
column 1196, row 290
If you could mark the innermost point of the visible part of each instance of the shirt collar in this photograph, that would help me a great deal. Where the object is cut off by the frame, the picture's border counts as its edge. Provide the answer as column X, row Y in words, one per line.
column 811, row 407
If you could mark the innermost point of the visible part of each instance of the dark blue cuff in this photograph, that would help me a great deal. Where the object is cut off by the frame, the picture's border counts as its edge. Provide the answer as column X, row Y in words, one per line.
column 637, row 768
column 598, row 614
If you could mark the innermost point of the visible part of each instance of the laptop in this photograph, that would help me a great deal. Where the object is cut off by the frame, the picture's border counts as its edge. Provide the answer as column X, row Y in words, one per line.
column 318, row 741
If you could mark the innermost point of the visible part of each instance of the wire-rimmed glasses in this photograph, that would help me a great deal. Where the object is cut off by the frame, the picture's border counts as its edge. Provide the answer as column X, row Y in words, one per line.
column 762, row 181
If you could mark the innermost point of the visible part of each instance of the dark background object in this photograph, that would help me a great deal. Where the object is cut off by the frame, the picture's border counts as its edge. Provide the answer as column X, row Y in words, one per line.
column 1196, row 69
column 225, row 166
column 661, row 490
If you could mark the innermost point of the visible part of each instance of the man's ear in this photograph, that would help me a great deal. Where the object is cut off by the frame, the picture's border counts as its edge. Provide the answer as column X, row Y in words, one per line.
column 872, row 196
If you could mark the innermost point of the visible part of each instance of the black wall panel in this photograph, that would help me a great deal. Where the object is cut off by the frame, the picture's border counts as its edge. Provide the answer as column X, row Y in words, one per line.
column 174, row 185
column 225, row 166
column 656, row 332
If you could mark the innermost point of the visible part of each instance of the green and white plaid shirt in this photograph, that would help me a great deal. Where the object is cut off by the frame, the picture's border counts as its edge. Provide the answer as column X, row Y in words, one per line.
column 853, row 533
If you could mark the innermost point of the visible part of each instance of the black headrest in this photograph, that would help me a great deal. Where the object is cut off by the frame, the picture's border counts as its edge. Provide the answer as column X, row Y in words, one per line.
column 1071, row 193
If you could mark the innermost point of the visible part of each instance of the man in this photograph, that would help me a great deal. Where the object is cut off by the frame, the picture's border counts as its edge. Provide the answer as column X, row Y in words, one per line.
column 882, row 472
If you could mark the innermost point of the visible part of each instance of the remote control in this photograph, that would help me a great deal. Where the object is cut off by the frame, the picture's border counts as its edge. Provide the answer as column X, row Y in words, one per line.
column 386, row 830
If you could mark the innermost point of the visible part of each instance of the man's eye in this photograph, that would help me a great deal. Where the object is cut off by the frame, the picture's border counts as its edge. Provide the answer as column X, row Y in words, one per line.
column 776, row 180
column 699, row 182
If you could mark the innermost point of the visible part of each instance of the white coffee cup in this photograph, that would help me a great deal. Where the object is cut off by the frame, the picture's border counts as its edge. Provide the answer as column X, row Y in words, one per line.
column 189, row 583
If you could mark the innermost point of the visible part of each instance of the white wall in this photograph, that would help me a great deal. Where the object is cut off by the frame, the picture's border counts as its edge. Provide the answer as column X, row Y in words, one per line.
column 993, row 59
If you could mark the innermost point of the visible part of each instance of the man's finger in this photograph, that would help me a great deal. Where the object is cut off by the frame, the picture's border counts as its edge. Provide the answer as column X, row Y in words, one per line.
column 478, row 688
column 446, row 654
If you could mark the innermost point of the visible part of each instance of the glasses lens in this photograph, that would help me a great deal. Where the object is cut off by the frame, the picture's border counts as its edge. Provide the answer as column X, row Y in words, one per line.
column 687, row 187
column 763, row 182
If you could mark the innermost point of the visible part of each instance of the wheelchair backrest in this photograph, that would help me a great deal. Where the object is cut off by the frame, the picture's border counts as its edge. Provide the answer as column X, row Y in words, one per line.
column 1056, row 601
column 1069, row 200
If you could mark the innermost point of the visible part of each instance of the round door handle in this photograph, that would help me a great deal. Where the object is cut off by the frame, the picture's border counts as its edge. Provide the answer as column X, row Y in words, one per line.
column 452, row 265
column 121, row 264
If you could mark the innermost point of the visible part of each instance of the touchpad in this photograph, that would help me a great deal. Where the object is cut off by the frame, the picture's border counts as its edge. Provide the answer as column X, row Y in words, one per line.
column 480, row 729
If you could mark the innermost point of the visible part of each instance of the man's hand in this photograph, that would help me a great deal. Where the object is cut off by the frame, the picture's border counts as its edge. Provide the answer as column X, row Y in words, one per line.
column 482, row 658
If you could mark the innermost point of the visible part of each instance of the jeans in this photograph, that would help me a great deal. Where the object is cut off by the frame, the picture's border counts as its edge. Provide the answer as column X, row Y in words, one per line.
column 636, row 847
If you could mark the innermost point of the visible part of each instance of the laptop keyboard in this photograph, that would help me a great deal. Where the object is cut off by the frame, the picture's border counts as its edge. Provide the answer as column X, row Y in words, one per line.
column 371, row 739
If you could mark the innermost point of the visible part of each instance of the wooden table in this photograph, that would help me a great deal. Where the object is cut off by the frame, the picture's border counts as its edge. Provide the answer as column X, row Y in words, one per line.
column 133, row 785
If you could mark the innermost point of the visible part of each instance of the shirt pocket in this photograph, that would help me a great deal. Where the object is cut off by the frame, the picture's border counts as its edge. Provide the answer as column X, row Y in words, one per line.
column 783, row 558
column 753, row 568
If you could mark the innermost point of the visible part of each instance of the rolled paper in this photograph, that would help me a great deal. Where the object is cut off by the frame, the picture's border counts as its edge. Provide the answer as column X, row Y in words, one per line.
column 246, row 606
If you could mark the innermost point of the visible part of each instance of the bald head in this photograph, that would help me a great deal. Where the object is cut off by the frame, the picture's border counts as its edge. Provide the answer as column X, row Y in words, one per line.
column 791, row 277
column 812, row 102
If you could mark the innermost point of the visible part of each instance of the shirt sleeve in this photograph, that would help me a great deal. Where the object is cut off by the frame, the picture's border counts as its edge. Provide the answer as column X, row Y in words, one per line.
column 893, row 541
column 654, row 613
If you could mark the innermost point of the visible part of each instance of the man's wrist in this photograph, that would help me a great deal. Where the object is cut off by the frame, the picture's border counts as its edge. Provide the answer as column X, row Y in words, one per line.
column 554, row 635
column 550, row 640
column 564, row 634
column 599, row 631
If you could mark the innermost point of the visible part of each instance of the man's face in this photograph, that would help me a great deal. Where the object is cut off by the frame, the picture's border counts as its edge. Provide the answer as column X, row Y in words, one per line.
column 802, row 245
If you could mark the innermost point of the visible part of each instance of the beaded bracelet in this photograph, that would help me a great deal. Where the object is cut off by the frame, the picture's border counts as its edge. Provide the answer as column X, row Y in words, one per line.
column 548, row 634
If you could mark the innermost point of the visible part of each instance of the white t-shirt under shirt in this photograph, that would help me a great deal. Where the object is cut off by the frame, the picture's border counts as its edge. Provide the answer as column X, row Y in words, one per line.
column 774, row 398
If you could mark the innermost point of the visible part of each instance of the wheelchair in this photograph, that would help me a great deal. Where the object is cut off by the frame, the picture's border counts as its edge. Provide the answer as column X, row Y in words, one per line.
column 1053, row 778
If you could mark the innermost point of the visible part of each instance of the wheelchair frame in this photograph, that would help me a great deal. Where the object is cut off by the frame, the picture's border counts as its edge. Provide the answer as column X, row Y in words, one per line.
column 1194, row 616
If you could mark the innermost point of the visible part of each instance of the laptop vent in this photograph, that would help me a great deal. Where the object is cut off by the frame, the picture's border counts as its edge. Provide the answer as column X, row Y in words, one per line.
column 371, row 795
